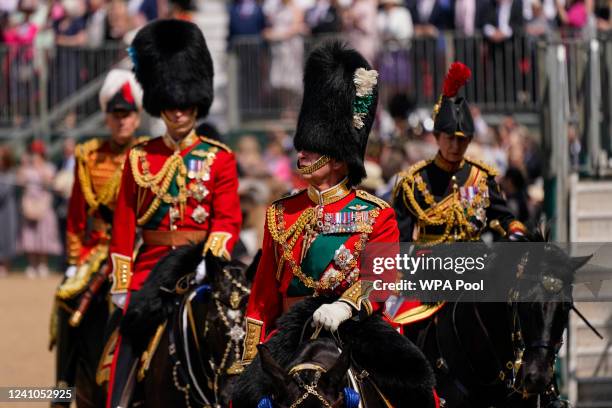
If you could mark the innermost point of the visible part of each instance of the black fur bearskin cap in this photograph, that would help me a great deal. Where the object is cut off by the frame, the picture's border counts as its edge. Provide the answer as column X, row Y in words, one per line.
column 174, row 67
column 326, row 121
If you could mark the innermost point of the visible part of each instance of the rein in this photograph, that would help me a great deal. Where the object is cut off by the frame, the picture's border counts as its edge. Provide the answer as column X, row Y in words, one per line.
column 181, row 374
column 231, row 318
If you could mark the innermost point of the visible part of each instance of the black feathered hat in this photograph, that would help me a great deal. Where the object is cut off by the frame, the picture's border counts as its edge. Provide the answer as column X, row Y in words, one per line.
column 339, row 105
column 173, row 65
column 452, row 114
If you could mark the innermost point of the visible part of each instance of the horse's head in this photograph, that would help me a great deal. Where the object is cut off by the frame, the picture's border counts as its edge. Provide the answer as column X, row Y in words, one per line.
column 541, row 313
column 315, row 378
column 220, row 312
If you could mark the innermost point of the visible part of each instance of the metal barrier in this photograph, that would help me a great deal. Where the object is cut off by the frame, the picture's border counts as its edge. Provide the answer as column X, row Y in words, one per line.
column 505, row 75
column 35, row 81
column 19, row 90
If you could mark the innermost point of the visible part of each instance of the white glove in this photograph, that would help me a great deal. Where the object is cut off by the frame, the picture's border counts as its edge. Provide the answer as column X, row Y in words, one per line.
column 200, row 271
column 331, row 315
column 71, row 271
column 119, row 299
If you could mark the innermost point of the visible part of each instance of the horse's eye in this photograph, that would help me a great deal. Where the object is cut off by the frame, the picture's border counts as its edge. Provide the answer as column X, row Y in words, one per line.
column 552, row 284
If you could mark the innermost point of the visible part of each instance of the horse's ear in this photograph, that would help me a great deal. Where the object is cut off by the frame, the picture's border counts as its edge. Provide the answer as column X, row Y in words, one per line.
column 337, row 373
column 250, row 272
column 214, row 265
column 271, row 367
column 578, row 262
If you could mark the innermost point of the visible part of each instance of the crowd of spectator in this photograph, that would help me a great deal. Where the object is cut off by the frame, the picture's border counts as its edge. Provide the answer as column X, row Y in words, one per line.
column 367, row 23
column 382, row 30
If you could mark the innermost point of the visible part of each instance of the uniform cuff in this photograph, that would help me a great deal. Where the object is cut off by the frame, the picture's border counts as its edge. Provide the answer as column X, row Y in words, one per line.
column 122, row 273
column 357, row 296
column 254, row 328
column 217, row 244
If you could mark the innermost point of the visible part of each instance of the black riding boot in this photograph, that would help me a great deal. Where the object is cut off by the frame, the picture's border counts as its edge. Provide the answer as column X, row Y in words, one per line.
column 125, row 375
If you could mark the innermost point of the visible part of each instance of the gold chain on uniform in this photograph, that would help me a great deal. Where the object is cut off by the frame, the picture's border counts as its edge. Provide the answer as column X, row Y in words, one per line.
column 452, row 217
column 275, row 218
column 159, row 183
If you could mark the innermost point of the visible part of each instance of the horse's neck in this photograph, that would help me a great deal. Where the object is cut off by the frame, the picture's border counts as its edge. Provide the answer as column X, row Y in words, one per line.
column 492, row 326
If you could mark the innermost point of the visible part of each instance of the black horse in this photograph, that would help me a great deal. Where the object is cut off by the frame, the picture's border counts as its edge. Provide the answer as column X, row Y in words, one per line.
column 191, row 335
column 291, row 370
column 503, row 354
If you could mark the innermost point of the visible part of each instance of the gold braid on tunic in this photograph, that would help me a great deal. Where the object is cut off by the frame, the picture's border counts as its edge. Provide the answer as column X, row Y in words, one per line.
column 453, row 217
column 159, row 183
column 308, row 219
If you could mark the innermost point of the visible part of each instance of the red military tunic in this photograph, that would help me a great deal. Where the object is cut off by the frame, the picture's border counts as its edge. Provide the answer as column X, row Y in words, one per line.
column 177, row 193
column 99, row 164
column 314, row 239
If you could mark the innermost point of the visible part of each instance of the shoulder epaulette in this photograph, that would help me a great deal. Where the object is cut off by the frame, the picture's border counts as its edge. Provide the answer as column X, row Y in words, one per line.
column 141, row 140
column 371, row 198
column 91, row 145
column 138, row 150
column 291, row 194
column 406, row 177
column 415, row 168
column 216, row 143
column 492, row 171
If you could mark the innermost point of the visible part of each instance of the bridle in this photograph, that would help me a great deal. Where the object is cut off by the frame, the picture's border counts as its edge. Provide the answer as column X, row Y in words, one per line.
column 310, row 389
column 551, row 285
column 507, row 373
column 348, row 395
column 232, row 321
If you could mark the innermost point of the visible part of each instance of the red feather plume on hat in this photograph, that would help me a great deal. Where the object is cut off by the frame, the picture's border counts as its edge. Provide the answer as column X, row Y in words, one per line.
column 457, row 76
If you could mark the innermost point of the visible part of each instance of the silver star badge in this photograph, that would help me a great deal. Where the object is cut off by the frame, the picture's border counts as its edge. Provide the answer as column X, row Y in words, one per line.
column 199, row 191
column 199, row 215
column 236, row 333
column 233, row 314
column 343, row 257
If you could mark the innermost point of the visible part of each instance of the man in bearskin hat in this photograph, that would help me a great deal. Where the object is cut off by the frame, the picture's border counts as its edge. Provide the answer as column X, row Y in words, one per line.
column 99, row 164
column 180, row 188
column 313, row 239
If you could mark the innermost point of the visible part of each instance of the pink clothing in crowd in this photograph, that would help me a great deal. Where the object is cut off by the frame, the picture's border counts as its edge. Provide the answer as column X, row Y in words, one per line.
column 577, row 16
column 23, row 34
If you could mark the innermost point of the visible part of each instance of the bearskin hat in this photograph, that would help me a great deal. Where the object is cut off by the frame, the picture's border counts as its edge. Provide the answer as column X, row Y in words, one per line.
column 452, row 114
column 173, row 65
column 339, row 105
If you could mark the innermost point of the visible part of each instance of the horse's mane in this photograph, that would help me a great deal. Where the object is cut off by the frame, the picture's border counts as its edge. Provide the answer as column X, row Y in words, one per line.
column 149, row 307
column 253, row 383
column 403, row 372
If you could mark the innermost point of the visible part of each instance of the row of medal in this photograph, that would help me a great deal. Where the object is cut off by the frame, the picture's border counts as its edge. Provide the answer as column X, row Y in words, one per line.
column 344, row 222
